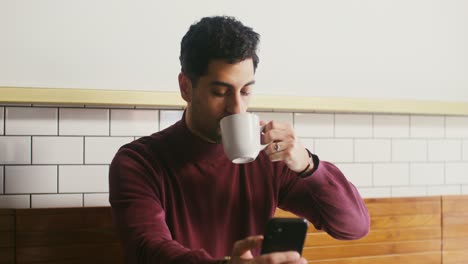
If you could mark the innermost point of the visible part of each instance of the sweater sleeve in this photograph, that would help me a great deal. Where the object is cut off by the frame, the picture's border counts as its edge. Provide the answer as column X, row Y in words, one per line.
column 139, row 216
column 328, row 200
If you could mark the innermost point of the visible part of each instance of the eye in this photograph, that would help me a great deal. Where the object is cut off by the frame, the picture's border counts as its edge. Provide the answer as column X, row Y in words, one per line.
column 245, row 92
column 219, row 92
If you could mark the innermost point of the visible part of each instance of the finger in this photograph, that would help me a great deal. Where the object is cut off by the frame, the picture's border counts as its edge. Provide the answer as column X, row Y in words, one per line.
column 242, row 246
column 277, row 135
column 283, row 155
column 277, row 125
column 280, row 257
column 262, row 123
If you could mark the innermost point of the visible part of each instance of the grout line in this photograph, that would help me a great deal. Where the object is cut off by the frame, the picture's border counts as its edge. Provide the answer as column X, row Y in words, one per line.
column 354, row 150
column 109, row 120
column 159, row 120
column 84, row 149
column 58, row 121
column 445, row 126
column 31, row 154
column 58, row 179
column 334, row 125
column 4, row 121
column 294, row 121
column 4, row 179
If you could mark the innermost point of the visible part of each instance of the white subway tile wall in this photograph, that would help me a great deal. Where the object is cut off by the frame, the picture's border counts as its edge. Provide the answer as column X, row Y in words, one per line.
column 335, row 150
column 391, row 126
column 169, row 117
column 373, row 150
column 134, row 122
column 2, row 121
column 426, row 173
column 375, row 192
column 465, row 149
column 30, row 179
column 96, row 199
column 427, row 126
column 101, row 150
column 353, row 125
column 57, row 150
column 409, row 191
column 56, row 200
column 309, row 144
column 274, row 116
column 464, row 189
column 456, row 173
column 444, row 150
column 314, row 125
column 409, row 150
column 444, row 190
column 391, row 174
column 84, row 121
column 360, row 174
column 59, row 156
column 15, row 150
column 30, row 121
column 457, row 127
column 83, row 178
column 15, row 201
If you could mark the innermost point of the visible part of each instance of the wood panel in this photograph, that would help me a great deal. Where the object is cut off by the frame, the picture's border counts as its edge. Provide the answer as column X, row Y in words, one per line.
column 429, row 230
column 69, row 235
column 421, row 258
column 455, row 229
column 7, row 236
column 403, row 230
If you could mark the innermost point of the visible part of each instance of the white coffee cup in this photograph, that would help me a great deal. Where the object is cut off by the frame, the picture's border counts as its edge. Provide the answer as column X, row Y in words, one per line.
column 241, row 137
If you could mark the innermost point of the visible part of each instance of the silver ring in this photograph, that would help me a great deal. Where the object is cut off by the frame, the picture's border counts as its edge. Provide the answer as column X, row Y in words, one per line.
column 276, row 147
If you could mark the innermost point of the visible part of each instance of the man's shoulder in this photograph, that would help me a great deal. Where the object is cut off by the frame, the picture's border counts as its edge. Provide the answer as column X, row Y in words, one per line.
column 154, row 141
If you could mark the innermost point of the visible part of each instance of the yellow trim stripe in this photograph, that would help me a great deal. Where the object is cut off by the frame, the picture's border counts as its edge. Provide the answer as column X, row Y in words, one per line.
column 20, row 95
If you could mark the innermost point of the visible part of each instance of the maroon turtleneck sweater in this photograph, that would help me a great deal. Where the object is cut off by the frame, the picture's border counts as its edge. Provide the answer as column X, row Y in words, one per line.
column 178, row 199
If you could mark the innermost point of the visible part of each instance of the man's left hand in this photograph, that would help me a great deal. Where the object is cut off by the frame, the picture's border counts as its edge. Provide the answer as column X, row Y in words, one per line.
column 285, row 146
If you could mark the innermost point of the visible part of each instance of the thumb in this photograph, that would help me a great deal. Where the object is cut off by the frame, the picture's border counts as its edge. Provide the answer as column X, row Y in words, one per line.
column 242, row 246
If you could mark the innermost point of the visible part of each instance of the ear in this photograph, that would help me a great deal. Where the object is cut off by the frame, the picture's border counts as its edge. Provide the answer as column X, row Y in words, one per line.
column 185, row 86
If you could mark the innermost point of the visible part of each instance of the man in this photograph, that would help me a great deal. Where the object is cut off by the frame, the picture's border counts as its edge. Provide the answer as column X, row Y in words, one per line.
column 175, row 196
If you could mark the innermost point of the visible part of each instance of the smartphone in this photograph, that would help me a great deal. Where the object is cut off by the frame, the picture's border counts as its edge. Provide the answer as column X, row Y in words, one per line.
column 284, row 234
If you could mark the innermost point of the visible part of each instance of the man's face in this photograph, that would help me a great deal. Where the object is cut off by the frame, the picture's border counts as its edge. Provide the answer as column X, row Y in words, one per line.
column 225, row 90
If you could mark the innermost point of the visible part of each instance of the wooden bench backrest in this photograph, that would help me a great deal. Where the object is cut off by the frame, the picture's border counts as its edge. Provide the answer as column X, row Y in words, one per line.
column 422, row 230
column 455, row 229
column 68, row 235
column 403, row 230
column 7, row 236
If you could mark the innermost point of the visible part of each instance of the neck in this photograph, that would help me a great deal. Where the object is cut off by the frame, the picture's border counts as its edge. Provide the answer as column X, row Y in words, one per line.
column 188, row 123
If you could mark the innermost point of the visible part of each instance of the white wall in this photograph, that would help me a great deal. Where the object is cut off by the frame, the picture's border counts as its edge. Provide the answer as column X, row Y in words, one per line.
column 59, row 156
column 410, row 49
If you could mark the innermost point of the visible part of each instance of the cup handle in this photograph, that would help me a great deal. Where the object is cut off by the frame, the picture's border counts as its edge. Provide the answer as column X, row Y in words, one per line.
column 262, row 147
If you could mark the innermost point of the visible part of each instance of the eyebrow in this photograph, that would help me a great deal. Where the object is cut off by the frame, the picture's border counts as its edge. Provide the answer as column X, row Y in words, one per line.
column 230, row 86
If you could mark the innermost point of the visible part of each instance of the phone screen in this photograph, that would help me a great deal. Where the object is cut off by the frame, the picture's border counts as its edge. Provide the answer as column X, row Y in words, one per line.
column 284, row 234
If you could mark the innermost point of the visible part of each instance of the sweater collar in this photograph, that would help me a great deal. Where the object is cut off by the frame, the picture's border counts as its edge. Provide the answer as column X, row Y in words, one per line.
column 195, row 148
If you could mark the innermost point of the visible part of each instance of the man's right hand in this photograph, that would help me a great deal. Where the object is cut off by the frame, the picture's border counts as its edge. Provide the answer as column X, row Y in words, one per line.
column 241, row 254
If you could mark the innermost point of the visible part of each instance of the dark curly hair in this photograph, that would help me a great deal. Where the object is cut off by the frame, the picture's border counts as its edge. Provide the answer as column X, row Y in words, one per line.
column 218, row 37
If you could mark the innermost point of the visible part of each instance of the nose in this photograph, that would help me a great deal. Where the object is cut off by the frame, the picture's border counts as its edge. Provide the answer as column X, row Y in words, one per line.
column 235, row 104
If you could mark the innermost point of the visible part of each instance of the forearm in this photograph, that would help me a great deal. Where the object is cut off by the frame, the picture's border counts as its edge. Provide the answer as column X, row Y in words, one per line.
column 335, row 205
column 151, row 242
